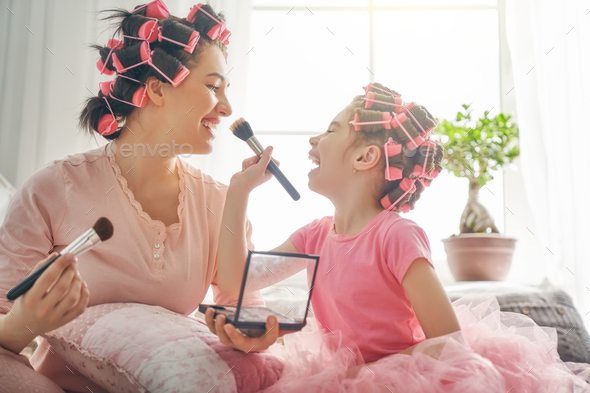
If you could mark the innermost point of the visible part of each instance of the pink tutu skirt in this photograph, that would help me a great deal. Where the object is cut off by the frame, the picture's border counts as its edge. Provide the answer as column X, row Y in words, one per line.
column 495, row 351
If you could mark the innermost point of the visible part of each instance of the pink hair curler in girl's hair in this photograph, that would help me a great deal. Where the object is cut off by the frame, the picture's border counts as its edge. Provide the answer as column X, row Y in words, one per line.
column 112, row 44
column 108, row 123
column 225, row 36
column 419, row 171
column 386, row 122
column 371, row 87
column 408, row 185
column 405, row 208
column 155, row 9
column 139, row 97
column 385, row 200
column 392, row 149
column 370, row 99
column 396, row 122
column 146, row 57
column 217, row 31
column 424, row 132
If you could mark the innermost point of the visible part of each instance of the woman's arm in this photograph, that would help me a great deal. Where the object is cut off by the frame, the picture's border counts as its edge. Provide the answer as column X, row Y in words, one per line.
column 429, row 301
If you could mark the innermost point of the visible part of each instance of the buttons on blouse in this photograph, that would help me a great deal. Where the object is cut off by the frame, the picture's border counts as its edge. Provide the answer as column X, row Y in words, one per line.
column 157, row 256
column 157, row 245
column 560, row 310
column 526, row 310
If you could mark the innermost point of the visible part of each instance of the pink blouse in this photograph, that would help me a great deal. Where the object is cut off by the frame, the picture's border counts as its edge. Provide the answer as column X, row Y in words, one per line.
column 144, row 262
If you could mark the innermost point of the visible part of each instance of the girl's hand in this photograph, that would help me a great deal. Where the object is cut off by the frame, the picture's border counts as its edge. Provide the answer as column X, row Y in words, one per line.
column 58, row 296
column 254, row 172
column 228, row 334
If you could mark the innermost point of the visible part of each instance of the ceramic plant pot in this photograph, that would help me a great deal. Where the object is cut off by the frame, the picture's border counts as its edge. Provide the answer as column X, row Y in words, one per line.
column 479, row 256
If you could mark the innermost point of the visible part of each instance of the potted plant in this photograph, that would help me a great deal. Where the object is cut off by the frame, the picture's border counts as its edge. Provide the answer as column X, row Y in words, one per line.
column 474, row 148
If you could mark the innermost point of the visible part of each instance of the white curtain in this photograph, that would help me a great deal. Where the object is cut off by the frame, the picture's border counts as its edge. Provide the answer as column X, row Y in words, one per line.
column 549, row 44
column 47, row 71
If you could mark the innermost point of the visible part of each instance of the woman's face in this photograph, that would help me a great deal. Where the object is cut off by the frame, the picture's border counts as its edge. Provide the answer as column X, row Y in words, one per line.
column 195, row 106
column 329, row 151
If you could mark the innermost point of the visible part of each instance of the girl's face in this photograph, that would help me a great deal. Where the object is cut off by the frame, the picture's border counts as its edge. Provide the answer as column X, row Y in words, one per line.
column 328, row 151
column 193, row 109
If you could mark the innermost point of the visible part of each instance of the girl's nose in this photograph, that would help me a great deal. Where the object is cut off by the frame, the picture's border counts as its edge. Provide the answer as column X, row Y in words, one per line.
column 313, row 140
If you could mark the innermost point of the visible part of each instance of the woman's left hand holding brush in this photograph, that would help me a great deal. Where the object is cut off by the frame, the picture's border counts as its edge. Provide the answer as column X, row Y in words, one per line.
column 56, row 298
column 254, row 172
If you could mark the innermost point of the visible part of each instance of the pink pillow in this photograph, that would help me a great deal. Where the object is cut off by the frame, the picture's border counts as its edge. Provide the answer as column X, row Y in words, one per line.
column 128, row 347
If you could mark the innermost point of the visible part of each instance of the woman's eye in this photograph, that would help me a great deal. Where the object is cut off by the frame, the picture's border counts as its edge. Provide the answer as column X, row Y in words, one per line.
column 213, row 87
column 329, row 131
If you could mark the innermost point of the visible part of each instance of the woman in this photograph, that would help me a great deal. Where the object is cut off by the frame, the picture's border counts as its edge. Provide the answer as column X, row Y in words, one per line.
column 166, row 214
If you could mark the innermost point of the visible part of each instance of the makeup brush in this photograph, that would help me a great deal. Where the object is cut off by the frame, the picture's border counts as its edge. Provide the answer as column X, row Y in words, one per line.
column 242, row 130
column 101, row 231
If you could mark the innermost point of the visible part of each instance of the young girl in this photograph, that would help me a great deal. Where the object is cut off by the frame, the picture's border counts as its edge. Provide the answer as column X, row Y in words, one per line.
column 376, row 289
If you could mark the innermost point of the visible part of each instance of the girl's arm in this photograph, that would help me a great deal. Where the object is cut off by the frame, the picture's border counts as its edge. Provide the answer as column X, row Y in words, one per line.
column 429, row 301
column 232, row 249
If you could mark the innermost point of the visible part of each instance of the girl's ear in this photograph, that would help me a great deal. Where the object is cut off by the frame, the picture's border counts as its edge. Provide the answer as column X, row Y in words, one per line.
column 368, row 157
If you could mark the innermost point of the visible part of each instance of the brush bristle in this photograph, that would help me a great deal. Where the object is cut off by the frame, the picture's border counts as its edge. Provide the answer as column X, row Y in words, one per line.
column 242, row 129
column 103, row 228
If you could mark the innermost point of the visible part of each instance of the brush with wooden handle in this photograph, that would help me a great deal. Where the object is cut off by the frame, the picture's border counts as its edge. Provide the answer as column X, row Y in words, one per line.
column 101, row 231
column 242, row 130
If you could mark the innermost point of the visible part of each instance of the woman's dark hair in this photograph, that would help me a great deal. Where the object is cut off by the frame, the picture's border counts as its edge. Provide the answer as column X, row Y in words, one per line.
column 167, row 56
column 417, row 126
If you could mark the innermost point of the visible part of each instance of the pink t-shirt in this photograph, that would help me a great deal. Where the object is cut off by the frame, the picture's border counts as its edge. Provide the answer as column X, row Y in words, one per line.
column 358, row 282
column 144, row 262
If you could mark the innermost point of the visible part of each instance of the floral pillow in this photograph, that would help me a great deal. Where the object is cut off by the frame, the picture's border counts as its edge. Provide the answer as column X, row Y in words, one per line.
column 128, row 347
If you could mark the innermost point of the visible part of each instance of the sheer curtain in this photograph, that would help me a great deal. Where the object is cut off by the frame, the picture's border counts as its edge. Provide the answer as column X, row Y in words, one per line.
column 47, row 71
column 550, row 49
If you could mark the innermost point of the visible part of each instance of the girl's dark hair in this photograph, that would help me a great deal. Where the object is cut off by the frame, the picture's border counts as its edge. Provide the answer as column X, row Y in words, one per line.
column 167, row 56
column 406, row 161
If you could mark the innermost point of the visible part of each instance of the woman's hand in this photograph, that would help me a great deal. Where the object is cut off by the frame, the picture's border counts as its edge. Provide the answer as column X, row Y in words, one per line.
column 58, row 296
column 228, row 334
column 254, row 172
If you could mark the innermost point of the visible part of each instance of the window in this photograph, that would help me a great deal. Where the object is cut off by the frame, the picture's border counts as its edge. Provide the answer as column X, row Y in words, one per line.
column 308, row 62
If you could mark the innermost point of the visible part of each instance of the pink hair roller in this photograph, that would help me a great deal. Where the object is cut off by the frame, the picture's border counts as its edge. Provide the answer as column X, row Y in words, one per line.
column 393, row 173
column 139, row 98
column 192, row 42
column 155, row 9
column 419, row 170
column 112, row 44
column 385, row 200
column 424, row 132
column 405, row 208
column 371, row 87
column 386, row 121
column 424, row 184
column 225, row 36
column 105, row 87
column 146, row 57
column 370, row 99
column 108, row 123
column 408, row 185
column 216, row 31
column 149, row 31
column 392, row 149
column 397, row 122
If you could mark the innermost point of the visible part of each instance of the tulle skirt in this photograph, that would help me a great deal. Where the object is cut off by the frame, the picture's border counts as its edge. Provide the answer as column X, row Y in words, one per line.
column 495, row 351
